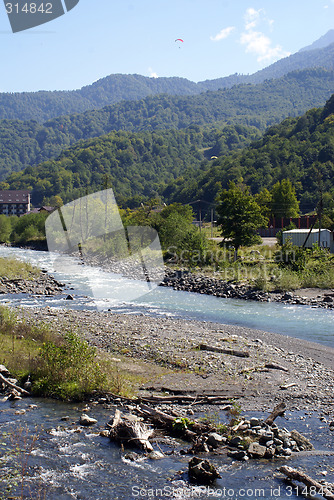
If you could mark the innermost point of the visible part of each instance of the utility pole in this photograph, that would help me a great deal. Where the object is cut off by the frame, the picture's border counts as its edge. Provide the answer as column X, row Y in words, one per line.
column 320, row 205
column 211, row 222
column 200, row 216
column 320, row 209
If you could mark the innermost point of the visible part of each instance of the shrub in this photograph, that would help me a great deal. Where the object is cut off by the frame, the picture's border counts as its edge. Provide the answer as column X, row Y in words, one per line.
column 68, row 370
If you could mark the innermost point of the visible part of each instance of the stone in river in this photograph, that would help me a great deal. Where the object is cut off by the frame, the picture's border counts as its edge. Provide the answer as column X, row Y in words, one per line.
column 86, row 420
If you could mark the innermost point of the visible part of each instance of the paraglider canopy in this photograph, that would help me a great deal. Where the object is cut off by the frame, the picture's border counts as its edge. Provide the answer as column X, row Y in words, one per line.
column 179, row 40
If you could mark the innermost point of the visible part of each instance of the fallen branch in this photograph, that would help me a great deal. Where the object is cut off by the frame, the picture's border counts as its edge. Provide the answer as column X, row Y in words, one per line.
column 13, row 386
column 278, row 411
column 308, row 481
column 231, row 352
column 193, row 400
column 287, row 386
column 275, row 366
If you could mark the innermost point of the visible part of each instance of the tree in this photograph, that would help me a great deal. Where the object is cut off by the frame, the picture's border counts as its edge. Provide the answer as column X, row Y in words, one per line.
column 56, row 201
column 239, row 217
column 284, row 200
column 5, row 228
column 264, row 200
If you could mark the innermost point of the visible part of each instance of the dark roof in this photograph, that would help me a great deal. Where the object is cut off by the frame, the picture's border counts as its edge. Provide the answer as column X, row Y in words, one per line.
column 8, row 196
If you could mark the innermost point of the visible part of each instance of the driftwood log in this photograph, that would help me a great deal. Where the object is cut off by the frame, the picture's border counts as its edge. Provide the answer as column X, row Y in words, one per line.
column 130, row 430
column 13, row 386
column 275, row 366
column 231, row 352
column 167, row 422
column 297, row 475
column 277, row 412
column 199, row 399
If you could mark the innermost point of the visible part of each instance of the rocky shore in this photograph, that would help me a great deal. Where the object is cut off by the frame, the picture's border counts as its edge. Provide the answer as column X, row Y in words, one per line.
column 201, row 359
column 44, row 284
column 200, row 283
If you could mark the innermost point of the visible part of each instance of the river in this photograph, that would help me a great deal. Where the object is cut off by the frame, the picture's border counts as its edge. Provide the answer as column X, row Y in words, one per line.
column 67, row 464
column 313, row 324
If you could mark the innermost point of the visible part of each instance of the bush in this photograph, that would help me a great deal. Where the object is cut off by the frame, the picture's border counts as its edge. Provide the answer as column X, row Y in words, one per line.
column 68, row 370
column 287, row 280
column 292, row 257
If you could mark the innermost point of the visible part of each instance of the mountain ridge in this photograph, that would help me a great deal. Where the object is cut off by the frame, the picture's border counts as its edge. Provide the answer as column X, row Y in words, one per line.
column 42, row 106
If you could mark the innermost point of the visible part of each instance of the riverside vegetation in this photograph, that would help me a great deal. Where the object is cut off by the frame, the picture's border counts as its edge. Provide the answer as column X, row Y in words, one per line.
column 61, row 366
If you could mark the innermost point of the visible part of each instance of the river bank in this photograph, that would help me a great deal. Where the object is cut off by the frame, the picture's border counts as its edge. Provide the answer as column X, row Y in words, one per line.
column 178, row 359
column 208, row 285
column 196, row 358
column 44, row 284
column 200, row 357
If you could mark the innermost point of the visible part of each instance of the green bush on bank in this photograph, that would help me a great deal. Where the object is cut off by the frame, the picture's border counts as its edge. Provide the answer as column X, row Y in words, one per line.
column 67, row 369
column 65, row 366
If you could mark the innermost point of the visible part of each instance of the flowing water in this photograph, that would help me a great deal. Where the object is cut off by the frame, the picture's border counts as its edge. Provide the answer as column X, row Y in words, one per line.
column 92, row 287
column 68, row 464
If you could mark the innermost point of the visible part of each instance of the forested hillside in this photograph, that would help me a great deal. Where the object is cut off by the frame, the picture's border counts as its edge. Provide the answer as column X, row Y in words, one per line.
column 28, row 143
column 301, row 149
column 183, row 166
column 45, row 105
column 138, row 166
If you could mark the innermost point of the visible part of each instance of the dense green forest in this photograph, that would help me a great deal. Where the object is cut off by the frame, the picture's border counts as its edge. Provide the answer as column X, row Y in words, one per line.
column 29, row 143
column 137, row 165
column 45, row 105
column 300, row 149
column 195, row 163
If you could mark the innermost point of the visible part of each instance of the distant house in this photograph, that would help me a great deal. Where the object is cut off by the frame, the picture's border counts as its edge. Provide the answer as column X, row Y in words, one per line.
column 14, row 202
column 307, row 238
column 44, row 209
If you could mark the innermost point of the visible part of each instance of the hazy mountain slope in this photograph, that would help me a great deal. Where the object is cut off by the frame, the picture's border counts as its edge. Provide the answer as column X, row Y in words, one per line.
column 318, row 58
column 43, row 105
column 322, row 42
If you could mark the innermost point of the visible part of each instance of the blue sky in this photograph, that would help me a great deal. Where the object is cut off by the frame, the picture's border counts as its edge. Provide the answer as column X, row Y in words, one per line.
column 101, row 37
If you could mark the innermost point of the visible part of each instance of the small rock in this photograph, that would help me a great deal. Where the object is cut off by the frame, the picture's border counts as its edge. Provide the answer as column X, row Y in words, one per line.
column 105, row 433
column 156, row 455
column 86, row 420
column 215, row 440
column 202, row 471
column 237, row 454
column 257, row 449
column 235, row 441
column 254, row 422
column 4, row 371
